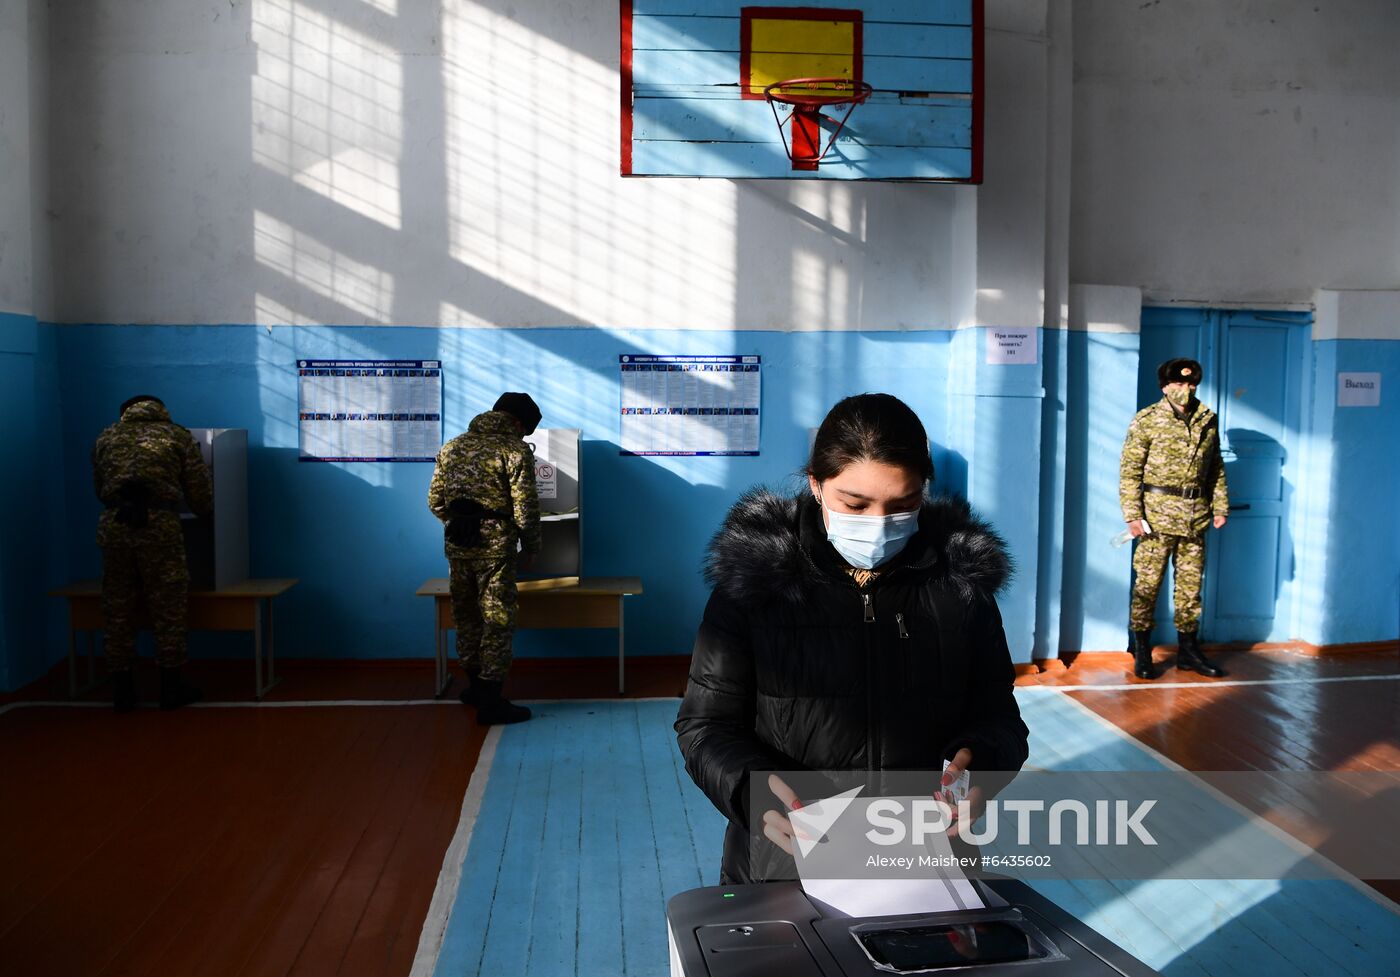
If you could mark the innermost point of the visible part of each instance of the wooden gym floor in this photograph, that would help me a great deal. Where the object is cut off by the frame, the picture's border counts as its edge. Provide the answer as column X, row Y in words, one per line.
column 305, row 835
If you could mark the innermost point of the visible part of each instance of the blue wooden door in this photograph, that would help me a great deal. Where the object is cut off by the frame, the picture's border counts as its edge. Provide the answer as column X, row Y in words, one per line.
column 1254, row 373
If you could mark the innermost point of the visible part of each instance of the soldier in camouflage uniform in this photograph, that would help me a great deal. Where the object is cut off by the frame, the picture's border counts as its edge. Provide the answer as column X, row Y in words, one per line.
column 1172, row 475
column 483, row 489
column 142, row 467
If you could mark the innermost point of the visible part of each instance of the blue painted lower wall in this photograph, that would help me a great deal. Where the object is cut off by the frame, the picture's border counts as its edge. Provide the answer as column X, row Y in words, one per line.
column 32, row 528
column 1349, row 559
column 360, row 538
column 994, row 424
column 1101, row 376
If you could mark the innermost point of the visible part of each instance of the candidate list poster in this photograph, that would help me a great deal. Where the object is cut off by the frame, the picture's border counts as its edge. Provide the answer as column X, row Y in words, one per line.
column 690, row 405
column 369, row 410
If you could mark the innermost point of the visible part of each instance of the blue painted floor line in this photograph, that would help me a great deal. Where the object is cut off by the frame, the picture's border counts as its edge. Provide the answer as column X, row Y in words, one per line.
column 589, row 824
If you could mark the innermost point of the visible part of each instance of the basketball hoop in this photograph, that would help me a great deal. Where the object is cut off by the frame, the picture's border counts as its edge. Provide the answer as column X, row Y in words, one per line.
column 805, row 99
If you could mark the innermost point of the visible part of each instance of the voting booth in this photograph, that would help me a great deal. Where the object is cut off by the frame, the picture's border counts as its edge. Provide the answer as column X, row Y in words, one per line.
column 216, row 548
column 776, row 928
column 557, row 482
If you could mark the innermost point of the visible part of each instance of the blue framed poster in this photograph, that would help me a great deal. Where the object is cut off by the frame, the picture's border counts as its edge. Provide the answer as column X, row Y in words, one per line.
column 369, row 410
column 690, row 405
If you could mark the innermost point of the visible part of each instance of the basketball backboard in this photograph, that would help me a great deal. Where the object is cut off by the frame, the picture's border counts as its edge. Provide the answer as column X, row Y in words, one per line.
column 695, row 73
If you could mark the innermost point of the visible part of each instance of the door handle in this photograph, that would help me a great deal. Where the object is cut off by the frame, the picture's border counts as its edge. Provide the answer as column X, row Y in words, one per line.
column 1237, row 508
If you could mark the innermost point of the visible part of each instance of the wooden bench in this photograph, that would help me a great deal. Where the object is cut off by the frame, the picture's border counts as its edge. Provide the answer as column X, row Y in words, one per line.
column 242, row 607
column 560, row 602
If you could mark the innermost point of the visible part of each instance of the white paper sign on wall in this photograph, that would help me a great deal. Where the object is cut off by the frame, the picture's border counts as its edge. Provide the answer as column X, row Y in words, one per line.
column 1358, row 389
column 1011, row 346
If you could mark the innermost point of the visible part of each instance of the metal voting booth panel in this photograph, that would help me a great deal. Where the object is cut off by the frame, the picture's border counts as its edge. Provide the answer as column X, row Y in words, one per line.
column 557, row 481
column 774, row 928
column 216, row 549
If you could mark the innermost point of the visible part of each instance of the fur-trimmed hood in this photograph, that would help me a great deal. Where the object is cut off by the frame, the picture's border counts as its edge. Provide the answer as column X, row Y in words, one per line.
column 773, row 546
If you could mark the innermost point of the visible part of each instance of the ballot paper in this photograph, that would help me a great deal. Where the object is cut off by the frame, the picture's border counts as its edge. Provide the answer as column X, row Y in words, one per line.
column 865, row 898
column 826, row 839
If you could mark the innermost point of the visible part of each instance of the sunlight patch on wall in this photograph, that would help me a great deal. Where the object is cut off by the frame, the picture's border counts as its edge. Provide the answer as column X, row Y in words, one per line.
column 327, row 108
column 277, row 393
column 358, row 289
column 535, row 199
column 834, row 204
column 820, row 290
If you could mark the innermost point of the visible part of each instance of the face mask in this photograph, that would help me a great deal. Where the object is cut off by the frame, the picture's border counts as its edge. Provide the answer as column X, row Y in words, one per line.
column 868, row 541
column 1180, row 396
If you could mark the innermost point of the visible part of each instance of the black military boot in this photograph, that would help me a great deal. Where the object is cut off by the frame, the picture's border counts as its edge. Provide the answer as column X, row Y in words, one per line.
column 1141, row 648
column 471, row 692
column 494, row 710
column 1190, row 658
column 175, row 693
column 123, row 691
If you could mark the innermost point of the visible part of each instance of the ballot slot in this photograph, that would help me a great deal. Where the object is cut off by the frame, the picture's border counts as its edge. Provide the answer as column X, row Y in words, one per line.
column 953, row 941
column 987, row 938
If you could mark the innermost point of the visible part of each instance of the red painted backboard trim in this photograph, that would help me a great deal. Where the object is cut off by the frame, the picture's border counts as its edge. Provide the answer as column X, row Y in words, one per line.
column 978, row 89
column 625, row 72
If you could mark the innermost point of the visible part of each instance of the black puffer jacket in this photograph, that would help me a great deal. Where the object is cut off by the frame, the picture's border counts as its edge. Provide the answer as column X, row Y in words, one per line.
column 795, row 667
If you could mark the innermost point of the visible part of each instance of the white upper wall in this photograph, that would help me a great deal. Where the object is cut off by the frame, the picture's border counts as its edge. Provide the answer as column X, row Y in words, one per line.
column 455, row 164
column 1011, row 202
column 40, row 223
column 1237, row 150
column 391, row 162
column 1357, row 315
column 16, row 239
column 1105, row 308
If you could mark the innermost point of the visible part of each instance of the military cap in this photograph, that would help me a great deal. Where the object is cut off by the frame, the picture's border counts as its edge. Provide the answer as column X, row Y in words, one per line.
column 136, row 400
column 1179, row 370
column 520, row 406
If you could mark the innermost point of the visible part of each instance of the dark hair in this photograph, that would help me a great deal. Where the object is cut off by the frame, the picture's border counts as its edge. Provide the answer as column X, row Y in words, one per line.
column 870, row 427
column 136, row 400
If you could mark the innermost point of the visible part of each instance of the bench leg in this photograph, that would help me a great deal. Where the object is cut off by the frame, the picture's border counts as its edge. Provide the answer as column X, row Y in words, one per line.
column 621, row 658
column 438, row 664
column 257, row 652
column 72, row 663
column 260, row 690
column 74, row 689
column 442, row 674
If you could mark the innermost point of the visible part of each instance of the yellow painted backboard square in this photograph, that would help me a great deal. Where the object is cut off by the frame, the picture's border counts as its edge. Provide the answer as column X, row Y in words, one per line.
column 785, row 48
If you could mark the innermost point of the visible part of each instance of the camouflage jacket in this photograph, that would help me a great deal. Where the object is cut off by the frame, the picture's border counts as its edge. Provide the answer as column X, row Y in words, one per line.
column 493, row 465
column 147, row 455
column 1165, row 449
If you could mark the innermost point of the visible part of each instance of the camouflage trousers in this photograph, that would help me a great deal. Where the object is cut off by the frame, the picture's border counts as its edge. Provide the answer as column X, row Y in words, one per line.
column 153, row 578
column 1188, row 557
column 483, row 607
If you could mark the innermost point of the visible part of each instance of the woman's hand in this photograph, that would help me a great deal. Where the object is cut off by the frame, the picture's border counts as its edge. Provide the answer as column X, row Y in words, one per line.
column 976, row 804
column 776, row 826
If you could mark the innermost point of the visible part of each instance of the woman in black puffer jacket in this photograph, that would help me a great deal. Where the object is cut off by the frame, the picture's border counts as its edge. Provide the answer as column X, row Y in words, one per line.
column 854, row 627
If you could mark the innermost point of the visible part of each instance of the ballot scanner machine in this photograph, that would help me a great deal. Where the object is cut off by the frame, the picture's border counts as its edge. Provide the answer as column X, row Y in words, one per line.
column 775, row 930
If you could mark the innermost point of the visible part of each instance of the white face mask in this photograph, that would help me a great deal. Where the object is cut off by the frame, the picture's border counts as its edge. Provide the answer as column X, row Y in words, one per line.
column 868, row 541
